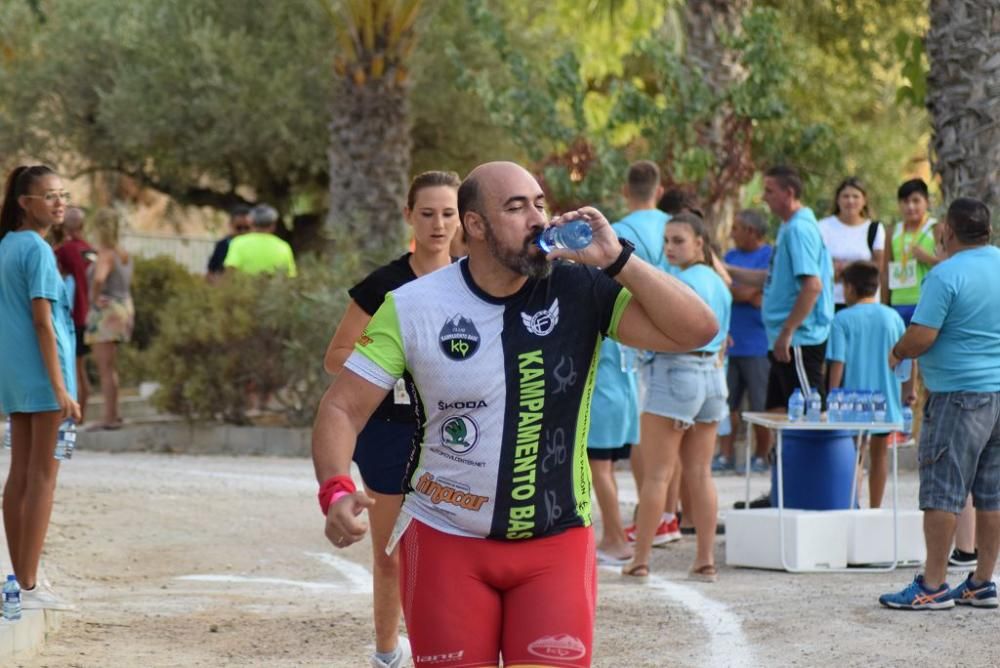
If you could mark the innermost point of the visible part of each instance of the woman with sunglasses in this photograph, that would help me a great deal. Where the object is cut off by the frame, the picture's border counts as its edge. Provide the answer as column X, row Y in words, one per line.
column 37, row 367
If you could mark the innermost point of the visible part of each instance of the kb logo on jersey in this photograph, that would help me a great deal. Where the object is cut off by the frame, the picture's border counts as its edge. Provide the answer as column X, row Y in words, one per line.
column 459, row 338
column 543, row 322
column 459, row 433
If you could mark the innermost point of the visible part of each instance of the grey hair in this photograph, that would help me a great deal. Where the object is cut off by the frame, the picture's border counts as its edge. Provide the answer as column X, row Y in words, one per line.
column 264, row 215
column 755, row 220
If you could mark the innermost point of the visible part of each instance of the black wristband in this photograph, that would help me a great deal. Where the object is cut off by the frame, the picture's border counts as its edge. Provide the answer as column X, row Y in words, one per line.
column 627, row 248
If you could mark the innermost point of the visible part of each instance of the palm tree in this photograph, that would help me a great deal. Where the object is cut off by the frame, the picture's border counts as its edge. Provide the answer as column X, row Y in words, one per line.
column 963, row 97
column 369, row 150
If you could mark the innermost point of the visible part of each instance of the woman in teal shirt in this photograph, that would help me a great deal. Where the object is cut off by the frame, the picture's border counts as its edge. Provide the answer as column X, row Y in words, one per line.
column 37, row 372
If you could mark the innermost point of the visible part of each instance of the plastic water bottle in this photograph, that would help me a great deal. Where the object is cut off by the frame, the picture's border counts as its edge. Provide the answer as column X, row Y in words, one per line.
column 796, row 406
column 907, row 420
column 6, row 435
column 833, row 405
column 878, row 407
column 11, row 599
column 573, row 235
column 849, row 406
column 66, row 440
column 814, row 407
column 868, row 407
column 904, row 370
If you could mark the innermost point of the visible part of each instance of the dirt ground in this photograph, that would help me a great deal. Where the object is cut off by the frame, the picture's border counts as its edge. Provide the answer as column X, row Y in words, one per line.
column 216, row 561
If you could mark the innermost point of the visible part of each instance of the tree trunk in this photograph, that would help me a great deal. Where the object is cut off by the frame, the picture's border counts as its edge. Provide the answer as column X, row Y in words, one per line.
column 963, row 97
column 726, row 136
column 369, row 164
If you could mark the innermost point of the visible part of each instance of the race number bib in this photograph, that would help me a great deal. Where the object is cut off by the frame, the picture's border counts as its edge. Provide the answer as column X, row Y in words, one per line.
column 399, row 393
column 902, row 275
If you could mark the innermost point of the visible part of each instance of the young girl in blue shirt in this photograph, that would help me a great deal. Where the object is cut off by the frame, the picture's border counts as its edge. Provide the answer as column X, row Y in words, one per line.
column 37, row 372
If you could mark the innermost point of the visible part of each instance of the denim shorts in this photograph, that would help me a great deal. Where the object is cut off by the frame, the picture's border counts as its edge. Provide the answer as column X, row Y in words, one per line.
column 687, row 388
column 959, row 451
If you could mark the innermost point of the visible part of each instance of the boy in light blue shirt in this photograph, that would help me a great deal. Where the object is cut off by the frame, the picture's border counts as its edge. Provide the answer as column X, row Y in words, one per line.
column 858, row 353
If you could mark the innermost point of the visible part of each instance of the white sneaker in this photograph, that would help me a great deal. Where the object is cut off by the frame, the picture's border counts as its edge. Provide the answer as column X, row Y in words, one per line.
column 43, row 598
column 401, row 657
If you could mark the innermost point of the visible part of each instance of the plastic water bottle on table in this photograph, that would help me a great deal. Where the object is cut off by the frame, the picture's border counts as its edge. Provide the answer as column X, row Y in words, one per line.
column 796, row 406
column 878, row 407
column 814, row 407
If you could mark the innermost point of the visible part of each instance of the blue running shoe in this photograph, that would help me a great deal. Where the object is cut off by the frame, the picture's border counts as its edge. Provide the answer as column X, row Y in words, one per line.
column 759, row 465
column 917, row 597
column 977, row 595
column 722, row 464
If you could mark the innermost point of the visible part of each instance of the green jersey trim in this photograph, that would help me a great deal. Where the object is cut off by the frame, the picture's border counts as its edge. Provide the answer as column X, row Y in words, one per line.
column 621, row 301
column 384, row 329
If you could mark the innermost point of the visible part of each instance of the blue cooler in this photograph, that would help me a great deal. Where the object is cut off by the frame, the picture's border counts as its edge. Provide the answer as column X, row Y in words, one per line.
column 817, row 470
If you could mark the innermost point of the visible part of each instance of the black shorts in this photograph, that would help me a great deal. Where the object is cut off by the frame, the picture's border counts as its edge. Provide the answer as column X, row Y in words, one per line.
column 610, row 454
column 806, row 368
column 382, row 453
column 81, row 347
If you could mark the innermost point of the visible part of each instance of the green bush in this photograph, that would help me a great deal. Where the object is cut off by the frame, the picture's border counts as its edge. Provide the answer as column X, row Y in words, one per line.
column 155, row 281
column 216, row 343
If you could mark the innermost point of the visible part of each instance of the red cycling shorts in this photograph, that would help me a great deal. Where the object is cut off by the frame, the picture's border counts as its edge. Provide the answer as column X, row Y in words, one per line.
column 469, row 600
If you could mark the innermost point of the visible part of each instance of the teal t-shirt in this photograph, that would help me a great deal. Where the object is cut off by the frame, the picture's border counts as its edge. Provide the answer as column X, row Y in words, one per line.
column 799, row 251
column 645, row 229
column 960, row 299
column 28, row 271
column 861, row 337
column 713, row 291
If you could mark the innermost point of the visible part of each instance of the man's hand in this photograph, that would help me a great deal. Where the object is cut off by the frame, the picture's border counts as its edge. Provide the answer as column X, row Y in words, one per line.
column 782, row 347
column 602, row 251
column 893, row 360
column 343, row 528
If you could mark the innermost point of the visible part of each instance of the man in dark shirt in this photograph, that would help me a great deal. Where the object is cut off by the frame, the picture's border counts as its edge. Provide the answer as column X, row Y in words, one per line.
column 239, row 223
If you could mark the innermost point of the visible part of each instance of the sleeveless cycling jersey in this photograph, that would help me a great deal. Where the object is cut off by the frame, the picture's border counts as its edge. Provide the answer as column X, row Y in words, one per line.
column 504, row 389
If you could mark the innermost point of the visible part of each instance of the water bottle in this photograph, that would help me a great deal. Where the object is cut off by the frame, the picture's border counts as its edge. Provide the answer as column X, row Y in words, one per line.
column 878, row 407
column 907, row 421
column 849, row 407
column 11, row 599
column 66, row 440
column 6, row 435
column 573, row 235
column 867, row 409
column 814, row 406
column 904, row 370
column 833, row 405
column 796, row 406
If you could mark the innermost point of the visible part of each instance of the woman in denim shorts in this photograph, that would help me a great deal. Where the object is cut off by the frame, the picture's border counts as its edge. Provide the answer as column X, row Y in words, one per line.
column 685, row 400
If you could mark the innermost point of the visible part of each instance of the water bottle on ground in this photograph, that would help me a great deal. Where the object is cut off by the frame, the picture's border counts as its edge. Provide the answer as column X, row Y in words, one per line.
column 796, row 406
column 907, row 421
column 904, row 370
column 833, row 405
column 573, row 235
column 66, row 440
column 11, row 599
column 814, row 407
column 6, row 435
column 878, row 407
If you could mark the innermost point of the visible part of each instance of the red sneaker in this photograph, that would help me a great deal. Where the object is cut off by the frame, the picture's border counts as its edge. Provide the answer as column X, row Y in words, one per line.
column 667, row 532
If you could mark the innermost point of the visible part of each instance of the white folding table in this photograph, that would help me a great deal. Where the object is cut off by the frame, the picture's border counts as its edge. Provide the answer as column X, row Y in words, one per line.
column 780, row 423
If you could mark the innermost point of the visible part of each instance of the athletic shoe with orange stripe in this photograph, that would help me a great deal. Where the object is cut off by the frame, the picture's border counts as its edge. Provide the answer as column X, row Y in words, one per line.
column 982, row 595
column 918, row 597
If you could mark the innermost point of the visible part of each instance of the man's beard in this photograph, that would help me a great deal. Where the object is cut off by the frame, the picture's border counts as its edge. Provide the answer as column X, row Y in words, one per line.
column 524, row 262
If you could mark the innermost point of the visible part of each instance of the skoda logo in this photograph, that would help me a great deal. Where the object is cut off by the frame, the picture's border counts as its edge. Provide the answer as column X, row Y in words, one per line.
column 459, row 338
column 459, row 433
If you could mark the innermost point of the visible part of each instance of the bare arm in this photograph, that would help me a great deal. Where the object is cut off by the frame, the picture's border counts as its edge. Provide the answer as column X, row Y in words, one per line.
column 879, row 259
column 836, row 374
column 664, row 315
column 41, row 318
column 809, row 291
column 745, row 293
column 342, row 414
column 348, row 332
column 105, row 263
column 751, row 277
column 915, row 342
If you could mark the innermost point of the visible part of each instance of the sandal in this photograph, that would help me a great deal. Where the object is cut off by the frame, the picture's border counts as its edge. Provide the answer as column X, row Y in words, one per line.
column 706, row 573
column 636, row 570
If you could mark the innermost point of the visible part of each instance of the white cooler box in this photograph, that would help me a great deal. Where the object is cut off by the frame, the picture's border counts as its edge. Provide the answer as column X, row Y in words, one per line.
column 869, row 537
column 813, row 539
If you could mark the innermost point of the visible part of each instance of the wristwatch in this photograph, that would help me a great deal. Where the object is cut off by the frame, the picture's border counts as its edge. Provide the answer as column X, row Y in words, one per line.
column 627, row 249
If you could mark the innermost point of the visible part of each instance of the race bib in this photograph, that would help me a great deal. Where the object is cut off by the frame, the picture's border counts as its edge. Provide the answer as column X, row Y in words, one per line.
column 902, row 275
column 399, row 393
